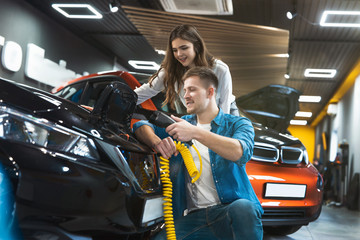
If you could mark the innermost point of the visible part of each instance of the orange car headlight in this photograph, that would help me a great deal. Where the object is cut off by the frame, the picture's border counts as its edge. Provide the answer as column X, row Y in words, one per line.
column 320, row 182
column 305, row 157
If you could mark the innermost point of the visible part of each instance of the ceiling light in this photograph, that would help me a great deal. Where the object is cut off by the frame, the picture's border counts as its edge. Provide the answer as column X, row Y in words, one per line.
column 291, row 14
column 280, row 55
column 332, row 109
column 161, row 52
column 303, row 114
column 286, row 76
column 307, row 98
column 320, row 73
column 113, row 6
column 209, row 7
column 348, row 18
column 145, row 65
column 298, row 122
column 2, row 41
column 77, row 10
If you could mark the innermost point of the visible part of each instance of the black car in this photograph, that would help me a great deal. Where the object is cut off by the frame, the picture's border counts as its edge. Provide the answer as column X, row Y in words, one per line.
column 73, row 172
column 77, row 170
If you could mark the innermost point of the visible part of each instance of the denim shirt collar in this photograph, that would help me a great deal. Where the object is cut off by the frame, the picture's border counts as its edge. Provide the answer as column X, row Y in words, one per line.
column 216, row 120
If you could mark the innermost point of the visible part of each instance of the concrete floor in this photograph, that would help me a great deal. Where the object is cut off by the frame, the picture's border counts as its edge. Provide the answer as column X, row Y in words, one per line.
column 334, row 223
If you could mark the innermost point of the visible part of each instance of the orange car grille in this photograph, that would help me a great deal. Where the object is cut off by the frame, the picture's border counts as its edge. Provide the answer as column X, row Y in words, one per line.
column 265, row 152
column 291, row 155
column 268, row 153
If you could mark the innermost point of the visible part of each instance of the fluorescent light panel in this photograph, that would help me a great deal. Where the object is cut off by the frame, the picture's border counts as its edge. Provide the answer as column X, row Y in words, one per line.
column 307, row 98
column 341, row 15
column 303, row 114
column 61, row 9
column 145, row 65
column 298, row 122
column 319, row 73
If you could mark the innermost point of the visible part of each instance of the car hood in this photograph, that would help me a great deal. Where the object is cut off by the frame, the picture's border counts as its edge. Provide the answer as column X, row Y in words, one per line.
column 41, row 104
column 264, row 135
column 44, row 105
column 273, row 106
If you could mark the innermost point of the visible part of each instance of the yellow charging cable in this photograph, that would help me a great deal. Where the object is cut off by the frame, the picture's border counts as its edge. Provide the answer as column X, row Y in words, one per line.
column 167, row 184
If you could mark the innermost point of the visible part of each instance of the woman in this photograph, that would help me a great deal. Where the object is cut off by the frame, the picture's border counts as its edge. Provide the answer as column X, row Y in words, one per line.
column 186, row 49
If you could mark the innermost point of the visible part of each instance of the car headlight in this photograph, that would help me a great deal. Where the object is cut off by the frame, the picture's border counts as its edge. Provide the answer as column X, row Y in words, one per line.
column 21, row 127
column 320, row 182
column 306, row 157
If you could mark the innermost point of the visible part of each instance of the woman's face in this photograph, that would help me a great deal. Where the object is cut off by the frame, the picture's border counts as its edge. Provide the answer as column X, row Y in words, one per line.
column 184, row 52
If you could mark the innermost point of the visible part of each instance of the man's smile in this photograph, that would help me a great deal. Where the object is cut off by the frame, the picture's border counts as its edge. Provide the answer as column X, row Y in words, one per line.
column 189, row 103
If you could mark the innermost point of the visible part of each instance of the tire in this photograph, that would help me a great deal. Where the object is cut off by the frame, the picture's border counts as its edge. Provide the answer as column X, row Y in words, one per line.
column 281, row 230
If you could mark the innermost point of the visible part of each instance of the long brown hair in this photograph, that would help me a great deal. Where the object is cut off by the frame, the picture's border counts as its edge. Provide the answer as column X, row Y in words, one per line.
column 174, row 70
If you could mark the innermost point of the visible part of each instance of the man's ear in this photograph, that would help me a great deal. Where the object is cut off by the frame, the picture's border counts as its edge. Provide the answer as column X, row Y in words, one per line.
column 211, row 91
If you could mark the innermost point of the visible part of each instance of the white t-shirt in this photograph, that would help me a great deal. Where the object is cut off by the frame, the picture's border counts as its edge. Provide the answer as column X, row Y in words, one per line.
column 224, row 96
column 203, row 192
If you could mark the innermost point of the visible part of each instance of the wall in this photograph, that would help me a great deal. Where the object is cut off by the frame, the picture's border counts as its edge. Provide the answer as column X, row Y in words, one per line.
column 23, row 24
column 306, row 134
column 347, row 123
column 344, row 127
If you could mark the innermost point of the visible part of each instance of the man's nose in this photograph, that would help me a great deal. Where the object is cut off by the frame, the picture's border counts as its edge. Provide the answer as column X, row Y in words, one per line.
column 186, row 95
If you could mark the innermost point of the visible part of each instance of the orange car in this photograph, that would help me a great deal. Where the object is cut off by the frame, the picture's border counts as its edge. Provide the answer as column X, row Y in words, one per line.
column 288, row 186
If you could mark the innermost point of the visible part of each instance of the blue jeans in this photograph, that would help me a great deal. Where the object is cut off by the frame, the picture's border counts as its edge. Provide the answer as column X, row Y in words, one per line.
column 237, row 220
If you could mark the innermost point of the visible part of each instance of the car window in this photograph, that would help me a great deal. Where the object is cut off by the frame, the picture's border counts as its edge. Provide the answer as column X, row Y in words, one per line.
column 73, row 92
column 141, row 77
column 93, row 92
column 89, row 91
column 158, row 102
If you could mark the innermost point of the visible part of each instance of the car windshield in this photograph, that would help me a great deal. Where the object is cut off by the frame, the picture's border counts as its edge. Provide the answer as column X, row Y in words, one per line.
column 141, row 77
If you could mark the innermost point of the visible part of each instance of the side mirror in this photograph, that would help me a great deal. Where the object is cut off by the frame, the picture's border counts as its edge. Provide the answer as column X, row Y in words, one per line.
column 116, row 103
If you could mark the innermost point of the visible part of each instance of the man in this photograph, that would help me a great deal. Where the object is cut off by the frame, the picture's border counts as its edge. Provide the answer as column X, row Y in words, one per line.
column 222, row 203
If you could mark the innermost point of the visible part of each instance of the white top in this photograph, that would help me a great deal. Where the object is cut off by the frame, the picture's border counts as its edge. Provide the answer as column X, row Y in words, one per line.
column 202, row 193
column 224, row 96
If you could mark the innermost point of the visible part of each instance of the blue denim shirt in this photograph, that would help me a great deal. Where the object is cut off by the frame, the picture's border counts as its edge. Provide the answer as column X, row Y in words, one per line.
column 230, row 177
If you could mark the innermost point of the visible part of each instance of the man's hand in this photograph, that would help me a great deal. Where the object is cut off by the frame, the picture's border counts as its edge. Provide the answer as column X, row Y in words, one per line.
column 227, row 147
column 181, row 130
column 166, row 148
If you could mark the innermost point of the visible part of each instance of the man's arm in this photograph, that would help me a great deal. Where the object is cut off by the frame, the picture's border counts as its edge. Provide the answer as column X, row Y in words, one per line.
column 226, row 147
column 166, row 147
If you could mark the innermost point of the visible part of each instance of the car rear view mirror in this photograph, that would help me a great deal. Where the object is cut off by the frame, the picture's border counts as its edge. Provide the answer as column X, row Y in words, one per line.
column 116, row 103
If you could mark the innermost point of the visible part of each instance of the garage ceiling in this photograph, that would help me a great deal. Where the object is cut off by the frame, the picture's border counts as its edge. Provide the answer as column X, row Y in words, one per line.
column 247, row 40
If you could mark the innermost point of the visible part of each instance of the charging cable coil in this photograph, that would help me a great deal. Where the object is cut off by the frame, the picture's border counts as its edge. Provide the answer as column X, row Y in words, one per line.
column 167, row 184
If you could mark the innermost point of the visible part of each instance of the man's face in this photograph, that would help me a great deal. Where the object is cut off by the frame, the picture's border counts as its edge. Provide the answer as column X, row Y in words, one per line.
column 196, row 95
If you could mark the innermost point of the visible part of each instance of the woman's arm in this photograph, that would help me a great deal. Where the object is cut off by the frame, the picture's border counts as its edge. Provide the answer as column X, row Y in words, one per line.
column 146, row 91
column 224, row 91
